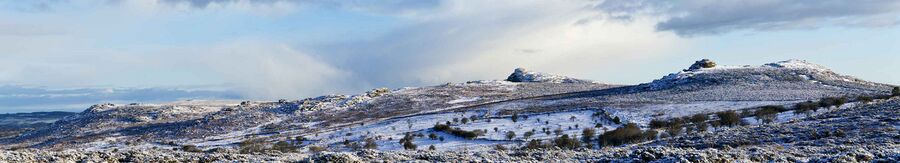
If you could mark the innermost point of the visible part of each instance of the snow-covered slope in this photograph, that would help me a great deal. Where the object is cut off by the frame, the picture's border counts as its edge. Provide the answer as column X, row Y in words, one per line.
column 522, row 75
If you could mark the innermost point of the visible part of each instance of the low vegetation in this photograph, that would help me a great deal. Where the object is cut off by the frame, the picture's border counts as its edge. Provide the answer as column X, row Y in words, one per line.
column 630, row 133
column 895, row 91
column 833, row 101
column 457, row 132
column 407, row 142
column 729, row 118
column 565, row 142
column 767, row 114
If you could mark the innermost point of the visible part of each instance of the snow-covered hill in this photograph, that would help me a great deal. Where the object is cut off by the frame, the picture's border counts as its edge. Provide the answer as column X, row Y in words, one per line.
column 546, row 106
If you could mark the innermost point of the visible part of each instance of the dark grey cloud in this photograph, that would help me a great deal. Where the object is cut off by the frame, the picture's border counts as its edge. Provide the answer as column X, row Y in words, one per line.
column 690, row 18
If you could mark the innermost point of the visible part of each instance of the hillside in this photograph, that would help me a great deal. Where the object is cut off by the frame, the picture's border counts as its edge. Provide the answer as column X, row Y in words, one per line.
column 544, row 105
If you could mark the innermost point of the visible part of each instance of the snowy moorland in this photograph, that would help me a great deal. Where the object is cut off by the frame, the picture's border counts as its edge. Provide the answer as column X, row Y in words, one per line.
column 531, row 116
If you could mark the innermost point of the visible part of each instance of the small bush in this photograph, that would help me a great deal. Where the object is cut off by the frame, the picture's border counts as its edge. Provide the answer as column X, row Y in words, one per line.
column 674, row 131
column 767, row 114
column 865, row 98
column 564, row 142
column 407, row 142
column 500, row 147
column 729, row 118
column 316, row 149
column 534, row 144
column 284, row 147
column 832, row 101
column 630, row 133
column 702, row 126
column 370, row 144
column 895, row 91
column 456, row 131
column 528, row 134
column 191, row 148
column 432, row 136
column 699, row 118
column 510, row 135
column 805, row 107
column 252, row 146
column 588, row 134
column 515, row 117
column 431, row 147
column 658, row 123
column 441, row 127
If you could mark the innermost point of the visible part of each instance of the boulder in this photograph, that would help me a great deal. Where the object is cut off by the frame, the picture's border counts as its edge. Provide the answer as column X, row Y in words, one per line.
column 701, row 64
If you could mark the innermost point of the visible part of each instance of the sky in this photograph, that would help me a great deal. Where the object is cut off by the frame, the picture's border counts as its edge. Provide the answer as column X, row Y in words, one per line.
column 272, row 49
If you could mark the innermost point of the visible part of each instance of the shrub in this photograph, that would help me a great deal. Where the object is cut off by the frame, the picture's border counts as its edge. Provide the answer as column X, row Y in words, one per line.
column 370, row 144
column 896, row 91
column 285, row 147
column 191, row 148
column 702, row 126
column 564, row 142
column 500, row 147
column 316, row 149
column 699, row 118
column 767, row 114
column 630, row 133
column 457, row 131
column 409, row 145
column 510, row 135
column 407, row 142
column 534, row 144
column 658, row 123
column 805, row 107
column 515, row 117
column 588, row 134
column 528, row 134
column 865, row 98
column 441, row 127
column 464, row 120
column 674, row 131
column 617, row 120
column 558, row 131
column 729, row 118
column 432, row 136
column 254, row 145
column 832, row 101
column 431, row 147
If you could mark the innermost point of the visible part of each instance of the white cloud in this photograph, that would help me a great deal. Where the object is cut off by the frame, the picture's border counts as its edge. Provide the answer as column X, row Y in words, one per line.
column 261, row 69
column 474, row 40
